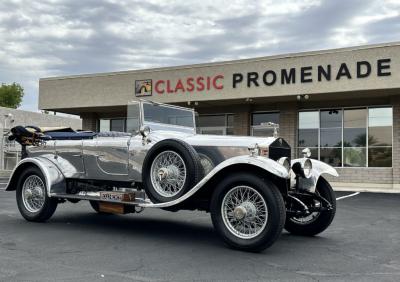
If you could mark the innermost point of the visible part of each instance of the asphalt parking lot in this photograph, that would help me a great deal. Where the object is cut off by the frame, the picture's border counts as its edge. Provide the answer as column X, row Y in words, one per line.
column 363, row 244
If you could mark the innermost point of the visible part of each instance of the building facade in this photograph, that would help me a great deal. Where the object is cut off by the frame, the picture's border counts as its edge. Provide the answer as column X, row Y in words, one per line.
column 343, row 104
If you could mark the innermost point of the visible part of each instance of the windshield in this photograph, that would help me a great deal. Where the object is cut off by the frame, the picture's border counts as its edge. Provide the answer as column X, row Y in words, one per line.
column 158, row 113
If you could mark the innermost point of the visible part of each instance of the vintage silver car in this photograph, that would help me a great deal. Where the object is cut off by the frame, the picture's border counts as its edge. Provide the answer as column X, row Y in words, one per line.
column 248, row 184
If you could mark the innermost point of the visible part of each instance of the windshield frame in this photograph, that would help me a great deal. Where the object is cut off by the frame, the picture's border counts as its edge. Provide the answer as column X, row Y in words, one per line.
column 161, row 125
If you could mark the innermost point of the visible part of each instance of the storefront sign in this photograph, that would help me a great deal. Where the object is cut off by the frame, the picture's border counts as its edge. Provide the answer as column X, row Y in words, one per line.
column 189, row 84
column 305, row 74
column 270, row 77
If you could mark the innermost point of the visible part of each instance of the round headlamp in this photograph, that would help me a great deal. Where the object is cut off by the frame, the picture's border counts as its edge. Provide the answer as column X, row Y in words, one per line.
column 303, row 168
column 307, row 167
column 284, row 161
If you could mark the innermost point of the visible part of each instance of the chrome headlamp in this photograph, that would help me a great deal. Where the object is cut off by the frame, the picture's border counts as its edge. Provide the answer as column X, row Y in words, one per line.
column 284, row 161
column 303, row 168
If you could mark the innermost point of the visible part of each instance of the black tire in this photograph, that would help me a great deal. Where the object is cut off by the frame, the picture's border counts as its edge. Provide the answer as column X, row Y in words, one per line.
column 194, row 171
column 210, row 157
column 275, row 206
column 49, row 206
column 323, row 220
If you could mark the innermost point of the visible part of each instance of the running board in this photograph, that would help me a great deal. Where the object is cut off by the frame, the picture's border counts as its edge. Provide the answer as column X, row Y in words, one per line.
column 139, row 200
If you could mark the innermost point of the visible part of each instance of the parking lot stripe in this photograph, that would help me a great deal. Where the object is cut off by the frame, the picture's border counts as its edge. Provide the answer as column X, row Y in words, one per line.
column 347, row 196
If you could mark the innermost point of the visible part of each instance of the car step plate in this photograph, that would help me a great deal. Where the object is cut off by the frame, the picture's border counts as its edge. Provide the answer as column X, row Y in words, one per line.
column 112, row 208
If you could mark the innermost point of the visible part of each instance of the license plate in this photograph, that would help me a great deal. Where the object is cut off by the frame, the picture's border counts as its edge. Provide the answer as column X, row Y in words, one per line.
column 117, row 196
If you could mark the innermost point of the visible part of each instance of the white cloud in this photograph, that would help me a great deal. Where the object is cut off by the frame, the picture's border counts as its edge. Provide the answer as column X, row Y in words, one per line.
column 62, row 37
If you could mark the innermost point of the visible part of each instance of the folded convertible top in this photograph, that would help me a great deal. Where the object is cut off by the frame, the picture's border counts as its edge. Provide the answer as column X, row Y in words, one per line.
column 32, row 135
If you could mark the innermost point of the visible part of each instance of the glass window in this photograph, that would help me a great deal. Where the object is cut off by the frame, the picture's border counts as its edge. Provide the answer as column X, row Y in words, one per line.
column 308, row 137
column 354, row 137
column 117, row 125
column 215, row 124
column 308, row 120
column 348, row 137
column 230, row 120
column 263, row 124
column 308, row 132
column 331, row 156
column 331, row 128
column 331, row 118
column 104, row 125
column 354, row 157
column 380, row 117
column 331, row 137
column 263, row 118
column 380, row 156
column 380, row 137
column 211, row 120
column 314, row 152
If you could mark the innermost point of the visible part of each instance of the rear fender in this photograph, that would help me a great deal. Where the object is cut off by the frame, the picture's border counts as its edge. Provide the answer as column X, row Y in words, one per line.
column 55, row 180
column 318, row 168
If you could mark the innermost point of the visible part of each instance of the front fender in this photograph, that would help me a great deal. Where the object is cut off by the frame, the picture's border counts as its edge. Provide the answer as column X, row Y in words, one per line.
column 55, row 181
column 267, row 164
column 318, row 168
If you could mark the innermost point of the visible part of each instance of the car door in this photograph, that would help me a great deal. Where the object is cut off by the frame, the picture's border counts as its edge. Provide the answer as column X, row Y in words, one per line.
column 69, row 157
column 112, row 155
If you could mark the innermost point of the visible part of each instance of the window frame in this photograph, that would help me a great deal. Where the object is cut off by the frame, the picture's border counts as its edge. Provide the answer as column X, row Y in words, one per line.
column 113, row 118
column 342, row 147
column 252, row 127
column 225, row 127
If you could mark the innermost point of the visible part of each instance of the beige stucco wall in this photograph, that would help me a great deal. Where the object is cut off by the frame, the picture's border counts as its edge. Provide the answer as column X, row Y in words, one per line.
column 112, row 89
column 20, row 117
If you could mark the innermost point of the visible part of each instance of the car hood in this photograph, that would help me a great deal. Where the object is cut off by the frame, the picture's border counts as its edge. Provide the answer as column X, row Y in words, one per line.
column 214, row 140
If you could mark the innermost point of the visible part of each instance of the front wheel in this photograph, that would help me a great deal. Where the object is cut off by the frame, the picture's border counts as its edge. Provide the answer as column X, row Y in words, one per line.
column 248, row 212
column 316, row 222
column 33, row 202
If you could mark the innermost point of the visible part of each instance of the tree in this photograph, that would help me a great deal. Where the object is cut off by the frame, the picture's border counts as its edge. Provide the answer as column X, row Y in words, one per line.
column 11, row 95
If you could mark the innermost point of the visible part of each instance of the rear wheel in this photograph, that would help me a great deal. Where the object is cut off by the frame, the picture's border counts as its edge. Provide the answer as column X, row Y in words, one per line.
column 316, row 222
column 33, row 202
column 248, row 212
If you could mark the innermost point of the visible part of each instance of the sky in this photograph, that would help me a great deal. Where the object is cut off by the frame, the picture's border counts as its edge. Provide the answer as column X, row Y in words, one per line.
column 49, row 38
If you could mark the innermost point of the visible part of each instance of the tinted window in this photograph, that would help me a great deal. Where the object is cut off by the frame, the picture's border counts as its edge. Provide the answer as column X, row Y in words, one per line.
column 354, row 157
column 117, row 125
column 331, row 118
column 263, row 118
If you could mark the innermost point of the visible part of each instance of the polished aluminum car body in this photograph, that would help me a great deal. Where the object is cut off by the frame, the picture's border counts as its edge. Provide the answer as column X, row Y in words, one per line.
column 248, row 184
column 118, row 157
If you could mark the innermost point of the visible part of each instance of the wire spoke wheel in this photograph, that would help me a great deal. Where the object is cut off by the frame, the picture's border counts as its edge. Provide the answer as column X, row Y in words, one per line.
column 316, row 222
column 244, row 212
column 33, row 193
column 168, row 173
column 309, row 218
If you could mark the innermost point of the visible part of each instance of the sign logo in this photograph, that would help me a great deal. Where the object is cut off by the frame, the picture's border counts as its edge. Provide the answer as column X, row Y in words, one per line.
column 143, row 88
